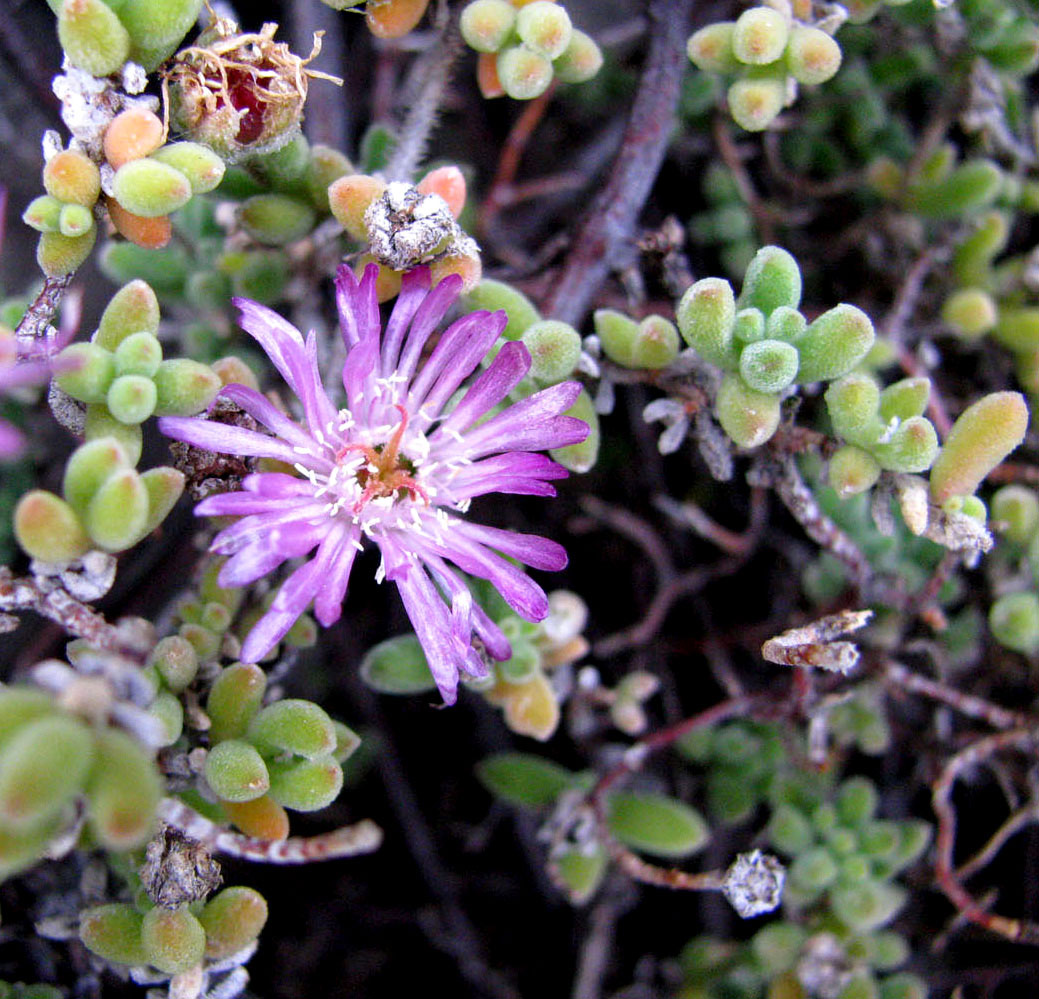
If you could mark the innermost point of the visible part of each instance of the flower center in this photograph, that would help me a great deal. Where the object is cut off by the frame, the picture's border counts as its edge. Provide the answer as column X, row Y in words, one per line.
column 387, row 472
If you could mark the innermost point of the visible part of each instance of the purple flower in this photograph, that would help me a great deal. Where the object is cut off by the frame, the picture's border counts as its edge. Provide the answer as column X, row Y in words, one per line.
column 15, row 372
column 397, row 466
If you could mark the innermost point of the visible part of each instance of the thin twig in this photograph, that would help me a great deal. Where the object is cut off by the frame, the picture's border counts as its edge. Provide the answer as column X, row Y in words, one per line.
column 731, row 157
column 1019, row 820
column 608, row 227
column 34, row 324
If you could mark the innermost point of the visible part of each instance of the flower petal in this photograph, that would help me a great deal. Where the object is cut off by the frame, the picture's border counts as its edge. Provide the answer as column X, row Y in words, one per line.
column 530, row 549
column 357, row 304
column 427, row 317
column 413, row 290
column 292, row 600
column 225, row 439
column 262, row 409
column 506, row 371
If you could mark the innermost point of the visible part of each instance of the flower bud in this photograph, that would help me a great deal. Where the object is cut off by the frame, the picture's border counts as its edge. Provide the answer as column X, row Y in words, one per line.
column 173, row 939
column 912, row 447
column 99, row 422
column 544, row 27
column 73, row 177
column 493, row 295
column 184, row 387
column 979, row 440
column 524, row 74
column 150, row 188
column 236, row 771
column 394, row 18
column 581, row 457
column 113, row 932
column 759, row 36
column 131, row 135
column 48, row 529
column 132, row 309
column 812, row 56
column 232, row 919
column 234, row 698
column 555, row 349
column 749, row 417
column 305, row 785
column 118, row 512
column 42, row 768
column 199, row 164
column 706, row 315
column 773, row 279
column 176, row 662
column 92, row 36
column 262, row 818
column 75, row 220
column 59, row 255
column 768, row 365
column 276, row 219
column 90, row 371
column 44, row 213
column 292, row 726
column 755, row 103
column 131, row 398
column 834, row 343
column 122, row 792
column 487, row 24
column 349, row 198
column 711, row 48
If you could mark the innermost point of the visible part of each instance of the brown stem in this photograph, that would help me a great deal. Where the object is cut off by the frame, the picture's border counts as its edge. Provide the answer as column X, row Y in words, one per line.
column 33, row 327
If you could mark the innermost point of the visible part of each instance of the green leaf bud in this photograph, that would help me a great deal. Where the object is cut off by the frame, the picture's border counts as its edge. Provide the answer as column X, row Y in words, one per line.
column 581, row 873
column 303, row 633
column 20, row 705
column 706, row 315
column 92, row 36
column 487, row 24
column 131, row 398
column 903, row 986
column 841, row 842
column 1018, row 328
column 234, row 698
column 711, row 48
column 544, row 27
column 206, row 643
column 755, row 103
column 176, row 662
column 524, row 73
column 72, row 177
column 48, row 529
column 325, row 166
column 199, row 164
column 852, row 403
column 785, row 323
column 44, row 213
column 852, row 470
column 617, row 334
column 885, row 177
column 1014, row 620
column 156, row 26
column 349, row 198
column 824, row 817
column 134, row 308
column 731, row 798
column 42, row 768
column 493, row 295
column 184, row 387
column 905, row 399
column 912, row 448
column 759, row 36
column 970, row 312
column 276, row 219
column 985, row 433
column 778, row 946
column 305, row 785
column 100, row 422
column 555, row 348
column 173, row 939
column 523, row 779
column 888, row 950
column 91, row 370
column 149, row 188
column 581, row 457
column 969, row 188
column 522, row 666
column 814, row 869
column 113, row 932
column 913, row 838
column 164, row 487
column 812, row 56
column 865, row 907
column 973, row 257
column 232, row 919
column 216, row 617
column 292, row 726
column 75, row 220
column 834, row 343
column 1016, row 509
column 789, row 831
column 123, row 791
column 347, row 742
column 856, row 801
column 854, row 869
column 139, row 354
column 768, row 365
column 657, row 344
column 170, row 713
column 879, row 837
column 59, row 255
column 580, row 61
column 1017, row 54
column 861, row 984
column 118, row 511
column 749, row 326
column 236, row 771
column 939, row 164
column 773, row 279
column 749, row 417
column 397, row 666
column 656, row 824
column 262, row 277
